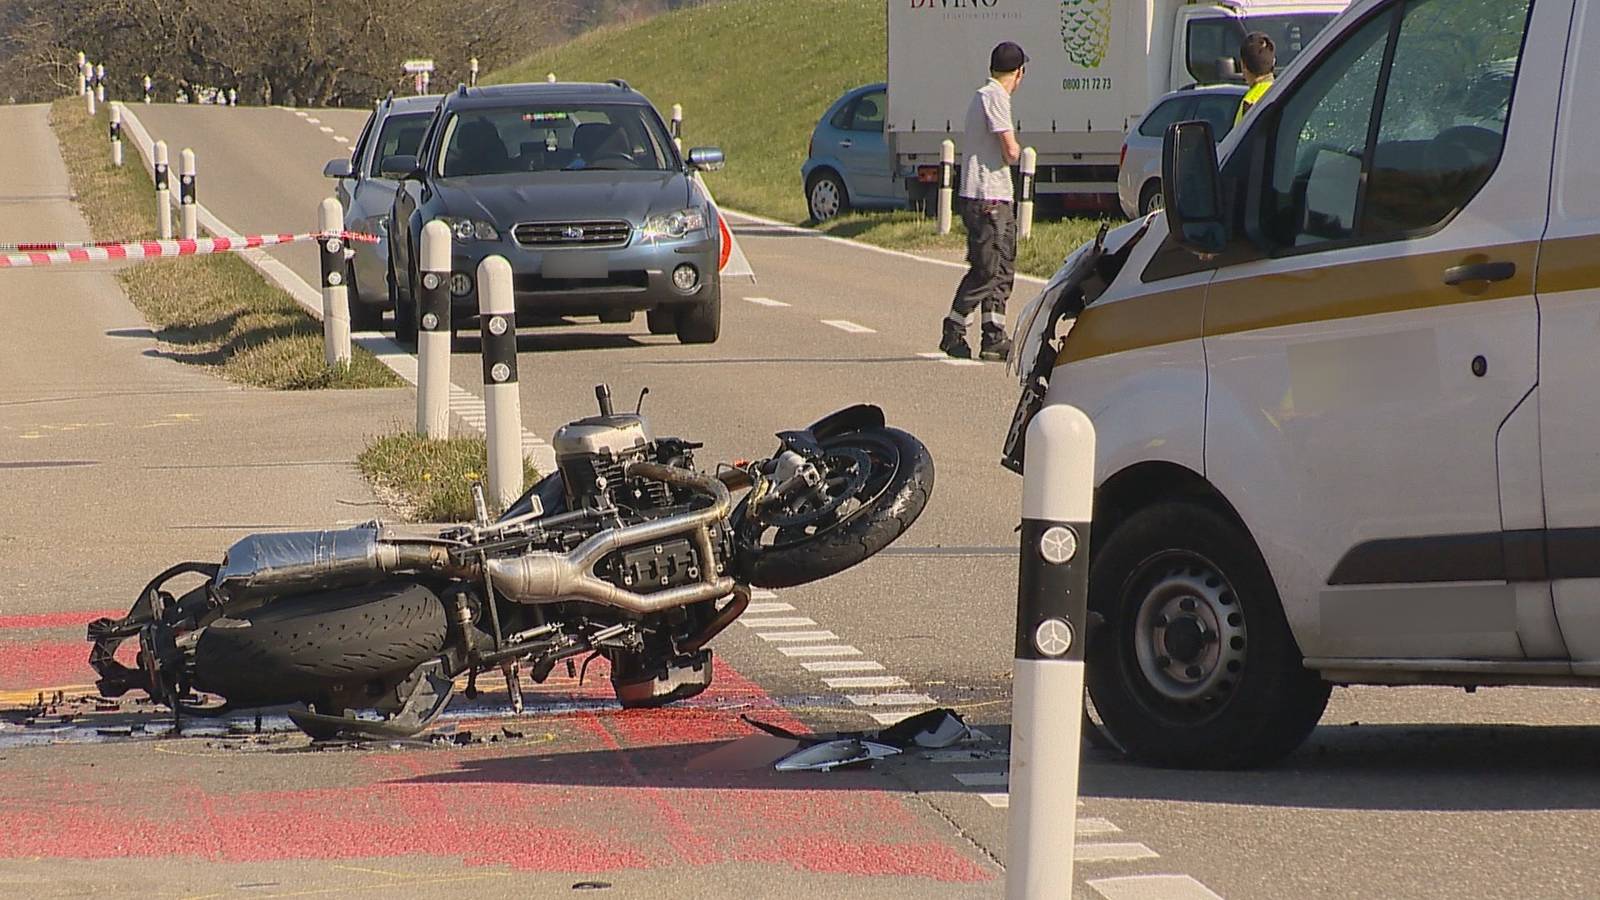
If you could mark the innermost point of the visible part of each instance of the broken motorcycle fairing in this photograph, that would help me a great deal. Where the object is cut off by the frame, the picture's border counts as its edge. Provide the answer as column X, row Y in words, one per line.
column 626, row 552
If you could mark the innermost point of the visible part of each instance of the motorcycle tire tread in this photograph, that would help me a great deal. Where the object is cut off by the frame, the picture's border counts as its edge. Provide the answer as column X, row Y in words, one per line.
column 295, row 648
column 862, row 537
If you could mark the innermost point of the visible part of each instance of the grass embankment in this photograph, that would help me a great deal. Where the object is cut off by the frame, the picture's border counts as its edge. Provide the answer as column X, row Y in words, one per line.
column 213, row 311
column 753, row 77
column 429, row 481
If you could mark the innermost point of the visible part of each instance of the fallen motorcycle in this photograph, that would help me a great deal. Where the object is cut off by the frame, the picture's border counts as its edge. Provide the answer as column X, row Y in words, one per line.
column 626, row 552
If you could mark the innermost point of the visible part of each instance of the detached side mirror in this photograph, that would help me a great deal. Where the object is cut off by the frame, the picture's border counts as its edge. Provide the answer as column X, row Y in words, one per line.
column 400, row 168
column 1191, row 188
column 338, row 168
column 706, row 159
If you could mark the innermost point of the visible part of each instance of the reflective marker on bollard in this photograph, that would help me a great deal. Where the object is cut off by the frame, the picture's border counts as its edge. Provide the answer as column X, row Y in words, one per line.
column 433, row 333
column 163, row 192
column 497, row 319
column 335, row 293
column 1052, row 620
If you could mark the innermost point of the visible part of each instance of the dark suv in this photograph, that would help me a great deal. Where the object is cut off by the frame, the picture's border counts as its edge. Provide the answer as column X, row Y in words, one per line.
column 581, row 189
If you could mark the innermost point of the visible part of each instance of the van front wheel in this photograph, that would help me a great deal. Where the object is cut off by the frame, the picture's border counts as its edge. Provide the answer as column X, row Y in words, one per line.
column 1196, row 667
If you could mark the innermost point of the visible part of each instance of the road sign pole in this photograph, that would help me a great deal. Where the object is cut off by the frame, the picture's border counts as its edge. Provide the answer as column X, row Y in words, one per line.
column 1052, row 619
column 498, row 322
column 433, row 334
column 335, row 293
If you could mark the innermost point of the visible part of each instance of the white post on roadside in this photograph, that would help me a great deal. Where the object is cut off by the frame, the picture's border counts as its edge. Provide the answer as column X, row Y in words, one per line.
column 116, row 135
column 233, row 97
column 186, row 195
column 163, row 192
column 472, row 72
column 147, row 90
column 1047, row 673
column 89, row 88
column 433, row 334
column 1030, row 166
column 677, row 126
column 100, row 83
column 335, row 293
column 497, row 319
column 947, row 183
column 82, row 77
column 550, row 77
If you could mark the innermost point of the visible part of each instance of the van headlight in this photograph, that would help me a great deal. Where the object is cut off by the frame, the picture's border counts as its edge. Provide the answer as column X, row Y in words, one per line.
column 464, row 229
column 675, row 225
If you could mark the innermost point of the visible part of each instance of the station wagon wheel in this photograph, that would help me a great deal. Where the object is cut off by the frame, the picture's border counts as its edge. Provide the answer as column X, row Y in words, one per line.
column 826, row 196
column 1150, row 199
column 1196, row 666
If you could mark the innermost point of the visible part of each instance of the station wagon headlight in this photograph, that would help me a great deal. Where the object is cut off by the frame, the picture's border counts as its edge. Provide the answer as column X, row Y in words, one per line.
column 675, row 225
column 463, row 229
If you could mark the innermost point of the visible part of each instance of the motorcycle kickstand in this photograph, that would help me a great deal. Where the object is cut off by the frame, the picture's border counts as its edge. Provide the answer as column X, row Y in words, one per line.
column 513, row 673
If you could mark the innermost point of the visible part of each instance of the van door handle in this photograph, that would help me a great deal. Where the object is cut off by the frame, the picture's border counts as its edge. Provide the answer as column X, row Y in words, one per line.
column 847, row 144
column 1485, row 271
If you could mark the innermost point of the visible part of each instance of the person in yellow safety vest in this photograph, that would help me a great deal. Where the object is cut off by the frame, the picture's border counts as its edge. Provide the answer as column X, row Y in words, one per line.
column 1260, row 57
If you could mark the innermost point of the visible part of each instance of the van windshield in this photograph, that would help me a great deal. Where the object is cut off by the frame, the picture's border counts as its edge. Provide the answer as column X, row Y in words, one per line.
column 1213, row 42
column 550, row 138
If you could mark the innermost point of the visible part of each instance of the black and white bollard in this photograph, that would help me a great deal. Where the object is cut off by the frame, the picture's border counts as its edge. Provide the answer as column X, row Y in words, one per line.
column 116, row 135
column 100, row 83
column 433, row 334
column 186, row 195
column 472, row 72
column 163, row 192
column 147, row 90
column 1052, row 619
column 88, row 91
column 550, row 77
column 677, row 126
column 1030, row 166
column 233, row 97
column 335, row 293
column 947, row 183
column 497, row 319
column 83, row 80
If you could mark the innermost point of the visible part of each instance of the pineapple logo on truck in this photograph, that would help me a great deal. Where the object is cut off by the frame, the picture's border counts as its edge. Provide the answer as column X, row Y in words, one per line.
column 1085, row 35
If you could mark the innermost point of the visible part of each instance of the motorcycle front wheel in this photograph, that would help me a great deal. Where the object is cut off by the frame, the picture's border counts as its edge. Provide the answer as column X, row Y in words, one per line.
column 877, row 482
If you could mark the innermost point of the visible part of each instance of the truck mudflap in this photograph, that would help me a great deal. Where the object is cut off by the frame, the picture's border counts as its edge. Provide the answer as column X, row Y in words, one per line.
column 1082, row 278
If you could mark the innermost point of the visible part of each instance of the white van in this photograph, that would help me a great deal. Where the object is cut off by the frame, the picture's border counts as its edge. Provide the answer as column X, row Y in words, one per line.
column 1346, row 387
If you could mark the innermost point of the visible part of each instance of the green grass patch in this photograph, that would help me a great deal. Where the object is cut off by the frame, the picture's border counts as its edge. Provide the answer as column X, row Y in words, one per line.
column 753, row 77
column 427, row 480
column 213, row 311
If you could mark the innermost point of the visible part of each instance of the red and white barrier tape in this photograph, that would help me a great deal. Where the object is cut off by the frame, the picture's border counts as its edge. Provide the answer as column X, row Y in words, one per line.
column 104, row 251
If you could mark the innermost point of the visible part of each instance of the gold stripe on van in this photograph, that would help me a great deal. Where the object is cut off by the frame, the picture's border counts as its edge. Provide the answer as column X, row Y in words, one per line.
column 1165, row 317
column 1569, row 264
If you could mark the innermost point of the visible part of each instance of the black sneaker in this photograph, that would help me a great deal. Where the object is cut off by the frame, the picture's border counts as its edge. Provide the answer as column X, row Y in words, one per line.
column 954, row 344
column 996, row 349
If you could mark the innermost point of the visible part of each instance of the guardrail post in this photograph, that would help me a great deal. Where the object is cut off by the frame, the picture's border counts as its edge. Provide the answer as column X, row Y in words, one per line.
column 335, row 294
column 1047, row 685
column 163, row 192
column 497, row 319
column 677, row 126
column 472, row 72
column 433, row 334
column 147, row 89
column 100, row 83
column 186, row 195
column 116, row 135
column 1030, row 165
column 947, row 183
column 82, row 81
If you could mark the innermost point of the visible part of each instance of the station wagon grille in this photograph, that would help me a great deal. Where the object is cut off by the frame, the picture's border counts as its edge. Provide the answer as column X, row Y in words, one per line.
column 572, row 234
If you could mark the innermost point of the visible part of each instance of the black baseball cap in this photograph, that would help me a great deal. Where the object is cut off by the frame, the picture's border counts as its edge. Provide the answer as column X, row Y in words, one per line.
column 1006, row 57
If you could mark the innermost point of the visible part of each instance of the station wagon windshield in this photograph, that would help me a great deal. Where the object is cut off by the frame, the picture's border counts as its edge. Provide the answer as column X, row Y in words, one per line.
column 1214, row 40
column 546, row 138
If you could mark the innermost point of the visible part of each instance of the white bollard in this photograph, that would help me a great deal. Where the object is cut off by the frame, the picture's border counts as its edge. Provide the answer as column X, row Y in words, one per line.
column 676, row 128
column 100, row 83
column 433, row 333
column 88, row 97
column 163, row 192
column 550, row 77
column 233, row 97
column 147, row 89
column 472, row 72
column 82, row 78
column 1047, row 674
column 947, row 183
column 335, row 293
column 1030, row 166
column 186, row 195
column 497, row 319
column 116, row 135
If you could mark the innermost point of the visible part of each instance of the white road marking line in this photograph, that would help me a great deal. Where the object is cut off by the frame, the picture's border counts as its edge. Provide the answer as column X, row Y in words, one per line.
column 1091, row 853
column 326, row 129
column 949, row 360
column 344, row 140
column 825, row 650
column 1153, row 887
column 312, row 120
column 843, row 665
column 798, row 636
column 761, row 609
column 791, row 622
column 998, row 801
column 890, row 699
column 299, row 113
column 763, row 594
column 891, row 718
column 982, row 779
column 1093, row 827
column 849, row 326
column 865, row 681
column 766, row 301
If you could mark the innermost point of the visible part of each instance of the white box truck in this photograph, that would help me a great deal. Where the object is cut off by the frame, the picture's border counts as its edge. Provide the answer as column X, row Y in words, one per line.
column 1094, row 66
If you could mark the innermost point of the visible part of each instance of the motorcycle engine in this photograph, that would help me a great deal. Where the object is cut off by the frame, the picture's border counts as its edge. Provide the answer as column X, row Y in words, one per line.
column 593, row 455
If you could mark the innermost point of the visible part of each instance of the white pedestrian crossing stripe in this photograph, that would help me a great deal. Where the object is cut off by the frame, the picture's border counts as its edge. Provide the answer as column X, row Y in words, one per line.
column 1153, row 887
column 849, row 326
column 822, row 650
column 766, row 301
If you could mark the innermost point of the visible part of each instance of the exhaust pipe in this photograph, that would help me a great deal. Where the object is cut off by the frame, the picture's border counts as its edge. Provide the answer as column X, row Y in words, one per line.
column 319, row 560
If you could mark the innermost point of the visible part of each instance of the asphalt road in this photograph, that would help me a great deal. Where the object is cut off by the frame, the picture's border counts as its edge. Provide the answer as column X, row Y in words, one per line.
column 1400, row 793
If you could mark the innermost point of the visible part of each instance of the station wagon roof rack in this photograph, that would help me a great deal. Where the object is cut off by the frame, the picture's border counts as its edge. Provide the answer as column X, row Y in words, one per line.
column 618, row 82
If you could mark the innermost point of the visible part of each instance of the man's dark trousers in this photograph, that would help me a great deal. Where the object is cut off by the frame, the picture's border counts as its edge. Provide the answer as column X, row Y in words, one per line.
column 992, row 256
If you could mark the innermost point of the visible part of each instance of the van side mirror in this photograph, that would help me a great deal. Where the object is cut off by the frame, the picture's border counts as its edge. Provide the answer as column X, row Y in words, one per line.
column 1191, row 188
column 338, row 168
column 400, row 168
column 706, row 159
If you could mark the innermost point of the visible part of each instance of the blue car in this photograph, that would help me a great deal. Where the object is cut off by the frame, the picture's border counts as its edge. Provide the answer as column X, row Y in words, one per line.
column 849, row 166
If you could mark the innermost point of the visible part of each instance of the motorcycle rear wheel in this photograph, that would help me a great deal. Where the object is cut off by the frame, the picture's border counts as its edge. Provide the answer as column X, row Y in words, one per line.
column 298, row 648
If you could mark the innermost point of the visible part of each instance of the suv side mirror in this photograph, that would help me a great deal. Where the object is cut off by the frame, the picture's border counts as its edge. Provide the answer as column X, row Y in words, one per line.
column 706, row 159
column 338, row 168
column 400, row 168
column 1191, row 188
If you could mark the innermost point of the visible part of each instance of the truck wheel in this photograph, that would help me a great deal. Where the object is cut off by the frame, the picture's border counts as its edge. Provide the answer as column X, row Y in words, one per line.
column 1150, row 198
column 701, row 323
column 662, row 320
column 1196, row 667
column 826, row 196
